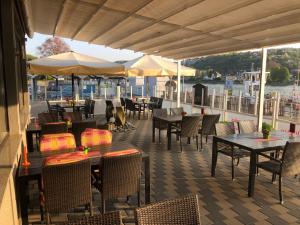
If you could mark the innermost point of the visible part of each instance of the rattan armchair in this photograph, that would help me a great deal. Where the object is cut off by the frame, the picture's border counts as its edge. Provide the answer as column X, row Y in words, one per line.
column 208, row 126
column 119, row 177
column 160, row 125
column 287, row 165
column 246, row 127
column 110, row 218
column 66, row 186
column 79, row 126
column 54, row 128
column 189, row 129
column 181, row 211
column 224, row 129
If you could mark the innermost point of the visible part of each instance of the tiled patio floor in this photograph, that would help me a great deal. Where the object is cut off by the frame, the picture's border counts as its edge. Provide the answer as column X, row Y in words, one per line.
column 222, row 201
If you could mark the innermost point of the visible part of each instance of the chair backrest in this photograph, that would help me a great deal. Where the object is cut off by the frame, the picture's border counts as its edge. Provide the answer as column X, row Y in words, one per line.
column 109, row 109
column 224, row 129
column 120, row 175
column 49, row 106
column 190, row 126
column 67, row 186
column 247, row 126
column 160, row 112
column 54, row 128
column 159, row 103
column 72, row 116
column 176, row 111
column 79, row 126
column 56, row 142
column 129, row 104
column 47, row 117
column 95, row 137
column 291, row 159
column 120, row 116
column 123, row 102
column 99, row 219
column 176, row 212
column 208, row 123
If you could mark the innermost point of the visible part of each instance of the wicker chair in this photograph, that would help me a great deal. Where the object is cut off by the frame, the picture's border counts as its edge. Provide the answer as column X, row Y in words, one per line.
column 63, row 191
column 247, row 126
column 176, row 212
column 208, row 126
column 110, row 218
column 189, row 128
column 288, row 165
column 119, row 177
column 47, row 117
column 160, row 125
column 131, row 107
column 224, row 129
column 176, row 111
column 79, row 126
column 72, row 116
column 54, row 128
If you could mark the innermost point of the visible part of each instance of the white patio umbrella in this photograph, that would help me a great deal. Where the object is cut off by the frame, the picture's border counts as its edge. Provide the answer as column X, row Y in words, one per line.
column 72, row 63
column 155, row 66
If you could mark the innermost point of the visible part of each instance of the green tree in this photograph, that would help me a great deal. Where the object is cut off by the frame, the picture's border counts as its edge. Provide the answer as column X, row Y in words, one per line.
column 30, row 57
column 280, row 75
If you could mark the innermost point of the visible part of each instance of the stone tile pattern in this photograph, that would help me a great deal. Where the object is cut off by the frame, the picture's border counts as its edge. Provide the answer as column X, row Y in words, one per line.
column 174, row 174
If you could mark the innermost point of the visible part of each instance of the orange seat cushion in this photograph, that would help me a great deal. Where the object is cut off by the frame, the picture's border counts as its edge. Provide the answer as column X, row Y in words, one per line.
column 93, row 137
column 64, row 158
column 54, row 142
column 121, row 153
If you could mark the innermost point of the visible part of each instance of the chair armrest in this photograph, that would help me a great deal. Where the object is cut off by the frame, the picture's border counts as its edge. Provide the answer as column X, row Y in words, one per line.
column 270, row 157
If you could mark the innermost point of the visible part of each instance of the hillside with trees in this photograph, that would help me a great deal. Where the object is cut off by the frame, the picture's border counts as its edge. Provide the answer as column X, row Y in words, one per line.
column 281, row 63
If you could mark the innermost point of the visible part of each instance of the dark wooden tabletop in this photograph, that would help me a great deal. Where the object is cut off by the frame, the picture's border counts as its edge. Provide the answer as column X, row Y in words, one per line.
column 168, row 118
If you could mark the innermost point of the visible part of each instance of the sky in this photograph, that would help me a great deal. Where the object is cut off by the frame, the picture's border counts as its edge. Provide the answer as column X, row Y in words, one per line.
column 99, row 51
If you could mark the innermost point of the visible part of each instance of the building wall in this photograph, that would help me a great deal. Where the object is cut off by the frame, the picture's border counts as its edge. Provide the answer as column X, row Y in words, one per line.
column 14, row 108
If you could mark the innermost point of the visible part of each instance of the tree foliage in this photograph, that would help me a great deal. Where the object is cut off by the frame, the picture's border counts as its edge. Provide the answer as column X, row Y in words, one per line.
column 280, row 75
column 30, row 57
column 53, row 46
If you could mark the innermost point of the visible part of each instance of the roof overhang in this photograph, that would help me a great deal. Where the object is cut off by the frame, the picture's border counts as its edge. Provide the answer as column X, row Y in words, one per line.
column 171, row 28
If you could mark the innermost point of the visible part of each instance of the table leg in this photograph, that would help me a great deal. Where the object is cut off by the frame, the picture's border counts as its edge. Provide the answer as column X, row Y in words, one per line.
column 29, row 140
column 23, row 189
column 214, row 157
column 252, row 173
column 147, row 180
column 169, row 136
column 153, row 129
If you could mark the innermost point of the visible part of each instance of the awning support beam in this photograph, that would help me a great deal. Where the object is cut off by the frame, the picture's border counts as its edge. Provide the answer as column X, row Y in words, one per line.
column 178, row 82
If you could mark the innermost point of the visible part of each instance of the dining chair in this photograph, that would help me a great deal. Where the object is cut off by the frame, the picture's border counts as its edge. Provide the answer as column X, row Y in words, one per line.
column 286, row 166
column 246, row 126
column 47, row 117
column 80, row 126
column 109, row 110
column 72, row 116
column 178, row 211
column 176, row 111
column 120, row 174
column 208, row 126
column 109, row 218
column 189, row 129
column 224, row 129
column 54, row 128
column 160, row 125
column 66, row 186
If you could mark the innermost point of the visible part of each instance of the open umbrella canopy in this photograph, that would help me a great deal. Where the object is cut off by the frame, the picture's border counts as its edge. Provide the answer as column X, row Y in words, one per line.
column 74, row 63
column 150, row 65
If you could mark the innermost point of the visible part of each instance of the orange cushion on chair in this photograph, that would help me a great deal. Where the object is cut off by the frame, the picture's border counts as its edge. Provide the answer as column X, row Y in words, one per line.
column 64, row 158
column 53, row 142
column 120, row 153
column 93, row 137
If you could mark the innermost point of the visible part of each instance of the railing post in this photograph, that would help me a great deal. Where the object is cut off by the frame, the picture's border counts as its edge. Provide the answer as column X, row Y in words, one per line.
column 105, row 92
column 240, row 101
column 225, row 105
column 185, row 93
column 256, row 103
column 213, row 98
column 277, row 110
column 274, row 99
column 142, row 91
column 45, row 92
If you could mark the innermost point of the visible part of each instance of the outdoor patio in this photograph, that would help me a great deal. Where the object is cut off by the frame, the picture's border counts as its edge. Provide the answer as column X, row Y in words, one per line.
column 174, row 174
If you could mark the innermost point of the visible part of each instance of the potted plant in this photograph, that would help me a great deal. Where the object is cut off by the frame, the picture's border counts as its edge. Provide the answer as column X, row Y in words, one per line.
column 266, row 128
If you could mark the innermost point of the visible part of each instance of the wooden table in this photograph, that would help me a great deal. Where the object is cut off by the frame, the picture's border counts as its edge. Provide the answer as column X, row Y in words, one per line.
column 255, row 145
column 34, row 173
column 170, row 120
column 66, row 105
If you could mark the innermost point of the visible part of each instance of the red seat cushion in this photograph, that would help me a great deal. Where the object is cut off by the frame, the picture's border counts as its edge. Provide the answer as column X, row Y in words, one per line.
column 54, row 142
column 121, row 153
column 64, row 158
column 93, row 137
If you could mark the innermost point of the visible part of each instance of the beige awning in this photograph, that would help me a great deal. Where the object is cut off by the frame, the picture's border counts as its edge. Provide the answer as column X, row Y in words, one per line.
column 74, row 63
column 170, row 28
column 154, row 66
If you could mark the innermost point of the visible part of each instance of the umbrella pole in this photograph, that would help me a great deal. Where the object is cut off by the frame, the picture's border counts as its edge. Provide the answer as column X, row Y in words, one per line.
column 72, row 85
